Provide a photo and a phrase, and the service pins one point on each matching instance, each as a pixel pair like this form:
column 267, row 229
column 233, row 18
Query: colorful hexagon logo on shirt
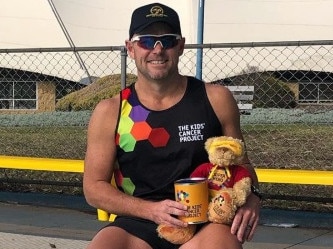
column 141, row 130
column 133, row 125
column 124, row 182
column 138, row 113
column 159, row 137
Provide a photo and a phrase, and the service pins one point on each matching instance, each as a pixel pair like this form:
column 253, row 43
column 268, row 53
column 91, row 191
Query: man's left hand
column 246, row 219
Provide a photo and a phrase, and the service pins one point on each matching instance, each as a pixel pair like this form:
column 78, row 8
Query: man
column 138, row 136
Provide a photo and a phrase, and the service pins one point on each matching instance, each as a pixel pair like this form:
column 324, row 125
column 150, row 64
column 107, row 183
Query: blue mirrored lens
column 149, row 42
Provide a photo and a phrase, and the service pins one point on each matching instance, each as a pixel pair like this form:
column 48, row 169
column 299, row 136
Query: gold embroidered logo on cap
column 156, row 11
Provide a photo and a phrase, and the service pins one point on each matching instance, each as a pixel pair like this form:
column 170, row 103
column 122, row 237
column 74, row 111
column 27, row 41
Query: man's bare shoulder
column 223, row 104
column 109, row 103
column 108, row 107
column 218, row 92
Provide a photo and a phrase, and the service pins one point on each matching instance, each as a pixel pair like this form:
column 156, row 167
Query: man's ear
column 130, row 49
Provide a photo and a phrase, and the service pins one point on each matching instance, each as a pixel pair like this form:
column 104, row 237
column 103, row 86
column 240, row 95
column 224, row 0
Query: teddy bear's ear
column 208, row 143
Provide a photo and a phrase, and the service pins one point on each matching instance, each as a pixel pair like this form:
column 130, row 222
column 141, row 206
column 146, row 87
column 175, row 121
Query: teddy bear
column 229, row 184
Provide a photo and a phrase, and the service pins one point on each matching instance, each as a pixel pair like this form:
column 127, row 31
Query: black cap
column 143, row 16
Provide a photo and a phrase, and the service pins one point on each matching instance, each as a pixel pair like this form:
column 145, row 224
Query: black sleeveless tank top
column 156, row 148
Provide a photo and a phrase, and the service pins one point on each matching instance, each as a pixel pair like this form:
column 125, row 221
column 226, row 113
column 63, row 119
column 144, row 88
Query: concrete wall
column 46, row 96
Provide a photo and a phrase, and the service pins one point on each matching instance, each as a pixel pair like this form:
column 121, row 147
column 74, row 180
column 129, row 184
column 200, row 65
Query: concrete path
column 42, row 227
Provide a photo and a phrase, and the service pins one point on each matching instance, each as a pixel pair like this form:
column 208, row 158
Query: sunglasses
column 149, row 42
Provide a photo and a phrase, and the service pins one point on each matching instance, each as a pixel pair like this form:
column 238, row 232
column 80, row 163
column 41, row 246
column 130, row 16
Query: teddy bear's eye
column 221, row 149
column 220, row 200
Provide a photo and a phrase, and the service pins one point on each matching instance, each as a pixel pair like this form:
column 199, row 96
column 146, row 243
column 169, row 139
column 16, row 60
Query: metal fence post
column 123, row 67
column 201, row 11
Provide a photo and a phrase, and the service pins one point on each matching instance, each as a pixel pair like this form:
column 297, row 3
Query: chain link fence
column 289, row 125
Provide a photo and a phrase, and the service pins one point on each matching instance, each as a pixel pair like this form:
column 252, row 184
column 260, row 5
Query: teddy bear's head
column 224, row 151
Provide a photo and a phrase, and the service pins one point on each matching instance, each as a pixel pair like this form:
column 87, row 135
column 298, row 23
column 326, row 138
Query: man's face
column 153, row 60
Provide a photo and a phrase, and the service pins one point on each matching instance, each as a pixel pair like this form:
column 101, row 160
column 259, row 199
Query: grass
column 295, row 146
column 52, row 142
column 279, row 146
column 49, row 142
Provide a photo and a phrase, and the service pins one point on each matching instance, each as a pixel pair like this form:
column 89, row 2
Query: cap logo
column 156, row 11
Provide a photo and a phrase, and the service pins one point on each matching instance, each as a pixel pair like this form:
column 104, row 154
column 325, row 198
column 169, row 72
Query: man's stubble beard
column 156, row 75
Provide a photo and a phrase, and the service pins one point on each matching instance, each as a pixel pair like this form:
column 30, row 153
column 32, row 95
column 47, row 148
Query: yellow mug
column 193, row 192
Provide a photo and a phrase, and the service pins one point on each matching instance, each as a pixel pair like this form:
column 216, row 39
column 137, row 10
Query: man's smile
column 157, row 61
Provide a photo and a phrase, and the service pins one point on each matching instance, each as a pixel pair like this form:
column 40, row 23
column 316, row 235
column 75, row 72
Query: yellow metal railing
column 288, row 176
column 47, row 164
column 295, row 176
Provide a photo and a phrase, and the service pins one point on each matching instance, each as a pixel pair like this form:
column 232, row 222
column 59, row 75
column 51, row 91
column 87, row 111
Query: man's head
column 146, row 15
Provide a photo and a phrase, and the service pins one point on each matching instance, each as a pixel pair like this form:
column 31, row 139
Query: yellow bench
column 295, row 176
column 50, row 164
column 47, row 164
column 312, row 177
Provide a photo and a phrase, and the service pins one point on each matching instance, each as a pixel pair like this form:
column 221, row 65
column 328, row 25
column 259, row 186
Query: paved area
column 21, row 241
column 273, row 238
column 45, row 227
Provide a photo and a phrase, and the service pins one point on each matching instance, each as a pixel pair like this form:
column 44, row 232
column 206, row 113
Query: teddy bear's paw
column 221, row 209
column 242, row 189
column 217, row 215
column 176, row 235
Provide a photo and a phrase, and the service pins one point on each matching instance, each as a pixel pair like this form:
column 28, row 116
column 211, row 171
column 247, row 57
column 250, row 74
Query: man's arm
column 99, row 168
column 226, row 109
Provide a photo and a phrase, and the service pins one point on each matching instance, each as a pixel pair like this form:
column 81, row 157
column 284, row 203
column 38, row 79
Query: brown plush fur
column 176, row 235
column 222, row 155
column 222, row 208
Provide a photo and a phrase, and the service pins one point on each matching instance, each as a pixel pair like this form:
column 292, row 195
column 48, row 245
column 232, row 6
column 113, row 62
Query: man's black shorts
column 143, row 229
